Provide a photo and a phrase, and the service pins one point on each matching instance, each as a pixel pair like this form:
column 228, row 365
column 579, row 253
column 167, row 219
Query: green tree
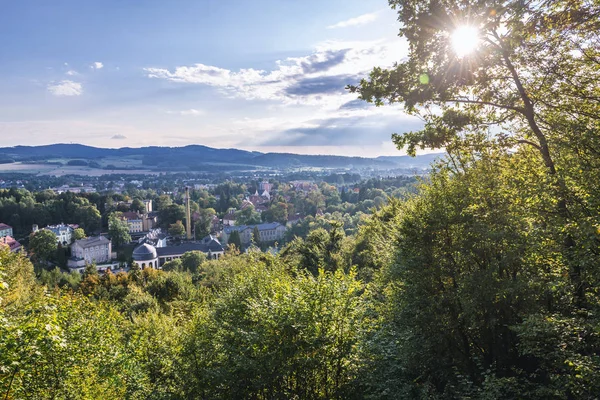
column 273, row 334
column 171, row 214
column 78, row 234
column 204, row 219
column 42, row 245
column 89, row 218
column 177, row 229
column 234, row 239
column 256, row 236
column 163, row 202
column 523, row 77
column 138, row 206
column 192, row 260
column 118, row 229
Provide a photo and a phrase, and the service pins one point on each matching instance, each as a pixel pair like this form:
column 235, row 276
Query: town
column 129, row 226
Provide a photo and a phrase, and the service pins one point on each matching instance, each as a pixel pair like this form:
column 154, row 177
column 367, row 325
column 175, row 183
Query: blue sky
column 264, row 75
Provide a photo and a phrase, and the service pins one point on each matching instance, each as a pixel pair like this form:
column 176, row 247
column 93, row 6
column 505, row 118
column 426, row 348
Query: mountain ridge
column 196, row 154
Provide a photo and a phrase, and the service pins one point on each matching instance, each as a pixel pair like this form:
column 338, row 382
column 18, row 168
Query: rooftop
column 261, row 227
column 93, row 241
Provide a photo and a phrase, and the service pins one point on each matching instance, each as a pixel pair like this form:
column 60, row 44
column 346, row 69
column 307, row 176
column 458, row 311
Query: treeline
column 21, row 209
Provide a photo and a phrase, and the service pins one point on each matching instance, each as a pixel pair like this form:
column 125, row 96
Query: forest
column 483, row 284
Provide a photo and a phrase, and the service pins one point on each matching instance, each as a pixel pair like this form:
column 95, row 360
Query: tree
column 118, row 229
column 256, row 236
column 204, row 218
column 138, row 206
column 163, row 202
column 89, row 218
column 177, row 229
column 525, row 78
column 171, row 214
column 192, row 260
column 234, row 239
column 78, row 234
column 42, row 245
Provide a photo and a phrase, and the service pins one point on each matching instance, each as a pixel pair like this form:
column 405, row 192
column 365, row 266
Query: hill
column 195, row 156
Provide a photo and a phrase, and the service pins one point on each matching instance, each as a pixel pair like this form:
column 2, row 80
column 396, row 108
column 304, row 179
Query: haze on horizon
column 267, row 75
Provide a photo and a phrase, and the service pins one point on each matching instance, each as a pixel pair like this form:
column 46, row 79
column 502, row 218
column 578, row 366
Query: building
column 5, row 230
column 265, row 186
column 63, row 232
column 91, row 250
column 134, row 221
column 270, row 232
column 149, row 221
column 148, row 205
column 147, row 255
column 229, row 218
column 11, row 242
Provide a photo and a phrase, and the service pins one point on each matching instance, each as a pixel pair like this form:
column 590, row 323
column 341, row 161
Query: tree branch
column 489, row 103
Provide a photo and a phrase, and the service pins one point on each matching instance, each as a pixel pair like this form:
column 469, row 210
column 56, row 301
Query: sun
column 465, row 40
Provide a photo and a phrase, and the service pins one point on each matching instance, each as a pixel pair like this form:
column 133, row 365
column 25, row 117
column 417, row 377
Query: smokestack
column 188, row 219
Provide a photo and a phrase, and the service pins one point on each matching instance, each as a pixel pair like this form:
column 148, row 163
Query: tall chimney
column 188, row 219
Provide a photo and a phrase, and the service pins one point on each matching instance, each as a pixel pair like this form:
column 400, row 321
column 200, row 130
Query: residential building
column 5, row 230
column 91, row 250
column 134, row 221
column 149, row 221
column 63, row 232
column 11, row 242
column 265, row 186
column 270, row 232
column 229, row 218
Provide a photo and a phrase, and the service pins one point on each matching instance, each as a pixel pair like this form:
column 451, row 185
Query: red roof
column 4, row 226
column 10, row 242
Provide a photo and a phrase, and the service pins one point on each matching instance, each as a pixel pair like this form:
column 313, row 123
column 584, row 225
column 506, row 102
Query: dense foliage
column 482, row 285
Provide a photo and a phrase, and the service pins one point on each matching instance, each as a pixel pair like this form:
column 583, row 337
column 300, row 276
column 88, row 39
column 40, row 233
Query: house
column 5, row 230
column 215, row 224
column 146, row 255
column 11, row 242
column 149, row 221
column 134, row 221
column 91, row 250
column 269, row 232
column 63, row 232
column 229, row 218
column 265, row 186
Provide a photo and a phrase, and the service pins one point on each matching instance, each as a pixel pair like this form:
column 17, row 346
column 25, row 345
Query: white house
column 5, row 230
column 91, row 250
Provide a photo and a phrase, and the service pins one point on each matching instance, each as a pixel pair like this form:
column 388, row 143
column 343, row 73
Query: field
column 55, row 170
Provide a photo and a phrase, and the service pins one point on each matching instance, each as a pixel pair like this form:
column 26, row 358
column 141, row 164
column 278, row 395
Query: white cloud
column 315, row 79
column 361, row 20
column 97, row 65
column 65, row 88
column 190, row 112
column 72, row 72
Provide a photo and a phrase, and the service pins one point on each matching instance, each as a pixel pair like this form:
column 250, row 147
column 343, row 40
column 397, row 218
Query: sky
column 263, row 75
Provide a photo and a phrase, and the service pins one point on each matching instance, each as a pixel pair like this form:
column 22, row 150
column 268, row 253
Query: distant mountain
column 194, row 156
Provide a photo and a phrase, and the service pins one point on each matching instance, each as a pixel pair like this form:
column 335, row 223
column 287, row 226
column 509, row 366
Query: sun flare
column 465, row 40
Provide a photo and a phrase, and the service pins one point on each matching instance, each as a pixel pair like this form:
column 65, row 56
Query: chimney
column 188, row 219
